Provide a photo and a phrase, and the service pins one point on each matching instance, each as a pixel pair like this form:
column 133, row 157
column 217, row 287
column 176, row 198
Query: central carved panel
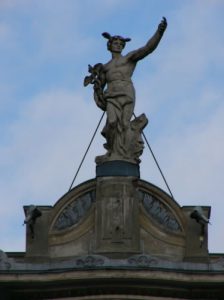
column 115, row 216
column 117, row 226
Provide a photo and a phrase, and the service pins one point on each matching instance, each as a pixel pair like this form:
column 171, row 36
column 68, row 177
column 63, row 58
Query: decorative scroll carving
column 75, row 211
column 142, row 261
column 160, row 212
column 90, row 261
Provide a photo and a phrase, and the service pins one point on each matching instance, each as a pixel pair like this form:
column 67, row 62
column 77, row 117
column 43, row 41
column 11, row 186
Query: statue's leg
column 126, row 118
column 111, row 126
column 111, row 115
column 127, row 114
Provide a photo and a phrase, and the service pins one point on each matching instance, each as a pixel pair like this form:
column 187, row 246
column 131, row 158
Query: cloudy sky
column 47, row 117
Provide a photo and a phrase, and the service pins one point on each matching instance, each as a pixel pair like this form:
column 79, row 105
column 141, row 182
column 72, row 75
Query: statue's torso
column 117, row 73
column 119, row 69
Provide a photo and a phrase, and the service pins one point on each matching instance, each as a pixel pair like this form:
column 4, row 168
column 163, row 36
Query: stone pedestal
column 117, row 207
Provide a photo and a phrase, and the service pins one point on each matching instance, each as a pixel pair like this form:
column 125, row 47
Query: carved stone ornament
column 159, row 212
column 142, row 261
column 75, row 211
column 90, row 261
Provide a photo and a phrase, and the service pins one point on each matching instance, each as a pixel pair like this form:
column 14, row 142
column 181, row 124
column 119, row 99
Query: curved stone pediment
column 137, row 217
column 72, row 222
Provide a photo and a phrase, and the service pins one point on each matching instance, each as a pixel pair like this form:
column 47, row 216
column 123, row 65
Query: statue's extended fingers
column 164, row 21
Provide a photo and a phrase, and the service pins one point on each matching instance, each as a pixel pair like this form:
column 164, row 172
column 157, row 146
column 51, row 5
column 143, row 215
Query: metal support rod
column 150, row 149
column 157, row 164
column 86, row 151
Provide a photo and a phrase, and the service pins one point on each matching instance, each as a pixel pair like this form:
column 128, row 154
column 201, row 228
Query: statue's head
column 116, row 43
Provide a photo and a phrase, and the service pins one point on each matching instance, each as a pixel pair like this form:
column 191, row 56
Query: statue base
column 117, row 168
column 123, row 143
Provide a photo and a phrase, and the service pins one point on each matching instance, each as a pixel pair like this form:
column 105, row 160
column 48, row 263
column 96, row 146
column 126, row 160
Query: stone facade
column 114, row 216
column 114, row 237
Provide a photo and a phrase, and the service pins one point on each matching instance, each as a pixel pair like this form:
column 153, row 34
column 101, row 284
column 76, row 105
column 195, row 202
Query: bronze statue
column 114, row 93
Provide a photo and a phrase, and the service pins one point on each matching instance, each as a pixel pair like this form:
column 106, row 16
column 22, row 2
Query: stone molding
column 99, row 262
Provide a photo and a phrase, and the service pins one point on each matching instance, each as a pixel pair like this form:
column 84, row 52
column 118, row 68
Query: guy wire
column 157, row 164
column 86, row 151
column 150, row 149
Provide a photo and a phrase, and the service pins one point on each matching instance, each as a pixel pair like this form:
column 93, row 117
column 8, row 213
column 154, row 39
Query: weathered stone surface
column 5, row 263
column 117, row 216
column 94, row 261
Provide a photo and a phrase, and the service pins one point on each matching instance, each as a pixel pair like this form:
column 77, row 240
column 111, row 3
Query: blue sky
column 47, row 117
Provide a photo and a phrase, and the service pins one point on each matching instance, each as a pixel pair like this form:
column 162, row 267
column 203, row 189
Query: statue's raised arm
column 151, row 45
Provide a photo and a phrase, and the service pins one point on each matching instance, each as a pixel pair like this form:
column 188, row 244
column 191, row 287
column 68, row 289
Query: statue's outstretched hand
column 162, row 26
